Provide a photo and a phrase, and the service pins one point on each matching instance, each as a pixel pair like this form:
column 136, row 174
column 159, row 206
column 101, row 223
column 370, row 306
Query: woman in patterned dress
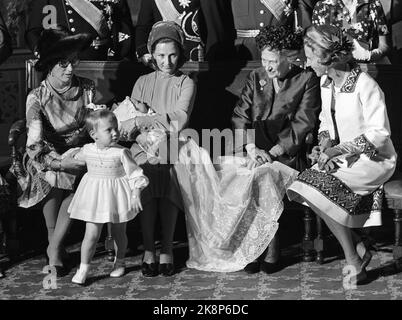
column 55, row 114
column 355, row 155
column 364, row 22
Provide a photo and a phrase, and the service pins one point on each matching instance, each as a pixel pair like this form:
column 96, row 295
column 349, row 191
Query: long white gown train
column 231, row 212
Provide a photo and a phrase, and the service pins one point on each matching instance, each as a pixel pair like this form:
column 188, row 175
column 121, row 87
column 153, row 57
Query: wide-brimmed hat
column 165, row 29
column 58, row 44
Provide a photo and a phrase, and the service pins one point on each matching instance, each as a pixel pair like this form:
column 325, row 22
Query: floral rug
column 295, row 281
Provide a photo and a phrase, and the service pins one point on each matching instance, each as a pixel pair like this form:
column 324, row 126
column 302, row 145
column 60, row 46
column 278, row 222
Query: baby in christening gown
column 108, row 193
column 150, row 140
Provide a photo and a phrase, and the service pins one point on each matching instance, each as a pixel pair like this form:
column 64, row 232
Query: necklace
column 99, row 156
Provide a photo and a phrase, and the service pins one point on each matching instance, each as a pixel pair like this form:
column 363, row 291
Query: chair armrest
column 17, row 128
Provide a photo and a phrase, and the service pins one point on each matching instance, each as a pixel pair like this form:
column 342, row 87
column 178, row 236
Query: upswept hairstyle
column 93, row 117
column 329, row 43
column 279, row 38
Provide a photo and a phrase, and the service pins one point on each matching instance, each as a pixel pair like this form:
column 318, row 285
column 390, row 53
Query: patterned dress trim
column 365, row 146
column 350, row 83
column 340, row 194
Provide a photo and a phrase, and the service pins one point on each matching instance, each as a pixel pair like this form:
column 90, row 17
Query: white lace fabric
column 231, row 211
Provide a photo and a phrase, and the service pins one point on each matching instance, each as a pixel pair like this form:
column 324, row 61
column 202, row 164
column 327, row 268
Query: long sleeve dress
column 105, row 191
column 365, row 24
column 55, row 123
column 171, row 97
column 355, row 118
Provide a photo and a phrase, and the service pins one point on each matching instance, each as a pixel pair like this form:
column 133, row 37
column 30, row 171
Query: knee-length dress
column 355, row 118
column 105, row 191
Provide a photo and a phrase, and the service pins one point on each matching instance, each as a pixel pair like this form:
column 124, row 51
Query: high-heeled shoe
column 166, row 269
column 354, row 279
column 149, row 269
column 367, row 256
column 252, row 267
column 61, row 271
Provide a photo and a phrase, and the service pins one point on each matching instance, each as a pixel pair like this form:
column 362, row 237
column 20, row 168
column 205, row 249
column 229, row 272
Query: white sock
column 84, row 267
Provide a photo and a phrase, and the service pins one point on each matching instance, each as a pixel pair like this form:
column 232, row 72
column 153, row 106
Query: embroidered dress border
column 340, row 194
column 365, row 146
column 350, row 83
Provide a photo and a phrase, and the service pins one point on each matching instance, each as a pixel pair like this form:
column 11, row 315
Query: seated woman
column 233, row 205
column 355, row 155
column 55, row 113
column 365, row 25
column 280, row 102
column 170, row 94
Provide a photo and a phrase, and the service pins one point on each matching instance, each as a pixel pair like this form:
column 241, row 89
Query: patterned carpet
column 296, row 281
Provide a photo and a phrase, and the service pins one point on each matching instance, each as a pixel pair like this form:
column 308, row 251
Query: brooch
column 262, row 83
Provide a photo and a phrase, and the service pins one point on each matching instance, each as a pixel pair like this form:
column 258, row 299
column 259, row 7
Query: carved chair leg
column 397, row 250
column 319, row 241
column 308, row 243
column 109, row 243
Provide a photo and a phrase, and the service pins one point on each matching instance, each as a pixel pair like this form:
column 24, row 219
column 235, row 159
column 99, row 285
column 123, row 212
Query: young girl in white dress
column 109, row 192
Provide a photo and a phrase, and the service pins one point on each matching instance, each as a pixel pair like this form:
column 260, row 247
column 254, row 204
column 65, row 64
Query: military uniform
column 207, row 25
column 113, row 43
column 252, row 15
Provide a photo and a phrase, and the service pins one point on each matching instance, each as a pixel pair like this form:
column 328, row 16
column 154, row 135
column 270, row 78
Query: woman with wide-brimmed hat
column 55, row 122
column 170, row 94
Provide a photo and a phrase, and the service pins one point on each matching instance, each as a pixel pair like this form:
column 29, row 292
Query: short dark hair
column 279, row 38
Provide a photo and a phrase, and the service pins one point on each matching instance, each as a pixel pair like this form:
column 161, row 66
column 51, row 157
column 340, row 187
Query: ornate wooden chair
column 393, row 201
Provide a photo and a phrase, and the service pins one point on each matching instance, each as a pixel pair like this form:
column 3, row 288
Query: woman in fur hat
column 55, row 123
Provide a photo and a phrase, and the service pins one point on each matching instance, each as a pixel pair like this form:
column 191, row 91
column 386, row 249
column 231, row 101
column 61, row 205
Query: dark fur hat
column 58, row 44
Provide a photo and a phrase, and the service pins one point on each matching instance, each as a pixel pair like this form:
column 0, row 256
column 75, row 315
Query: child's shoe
column 119, row 268
column 81, row 275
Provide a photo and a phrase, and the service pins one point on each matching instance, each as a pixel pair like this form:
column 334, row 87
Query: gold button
column 72, row 29
column 70, row 11
column 262, row 12
column 261, row 24
column 71, row 20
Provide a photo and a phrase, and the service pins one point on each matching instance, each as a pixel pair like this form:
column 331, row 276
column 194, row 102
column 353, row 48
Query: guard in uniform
column 109, row 21
column 207, row 25
column 252, row 15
